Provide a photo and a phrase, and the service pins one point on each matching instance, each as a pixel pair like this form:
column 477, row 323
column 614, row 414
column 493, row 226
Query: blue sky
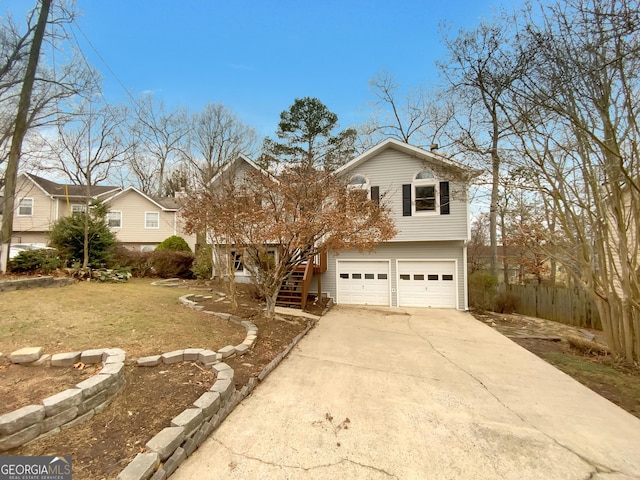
column 256, row 57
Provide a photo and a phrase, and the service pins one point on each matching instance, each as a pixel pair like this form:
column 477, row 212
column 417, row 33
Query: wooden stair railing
column 295, row 288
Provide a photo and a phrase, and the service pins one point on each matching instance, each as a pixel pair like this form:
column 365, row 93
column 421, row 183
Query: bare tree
column 34, row 91
column 578, row 130
column 218, row 137
column 87, row 148
column 20, row 129
column 419, row 118
column 480, row 69
column 158, row 135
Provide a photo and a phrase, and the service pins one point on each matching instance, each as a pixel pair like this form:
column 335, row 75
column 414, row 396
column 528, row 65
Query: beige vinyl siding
column 401, row 251
column 390, row 170
column 133, row 232
column 44, row 209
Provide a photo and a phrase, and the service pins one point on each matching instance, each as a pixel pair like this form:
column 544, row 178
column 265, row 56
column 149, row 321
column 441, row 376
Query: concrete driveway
column 428, row 394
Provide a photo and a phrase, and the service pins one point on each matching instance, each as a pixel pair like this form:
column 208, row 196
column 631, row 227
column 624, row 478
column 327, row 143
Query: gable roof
column 168, row 204
column 229, row 165
column 54, row 189
column 465, row 171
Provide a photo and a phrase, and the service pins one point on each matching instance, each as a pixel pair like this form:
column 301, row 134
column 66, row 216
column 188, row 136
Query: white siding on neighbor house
column 401, row 251
column 390, row 170
column 133, row 232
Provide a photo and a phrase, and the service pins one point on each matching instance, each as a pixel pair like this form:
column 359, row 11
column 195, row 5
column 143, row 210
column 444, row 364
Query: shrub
column 112, row 275
column 137, row 262
column 169, row 264
column 44, row 260
column 203, row 264
column 505, row 302
column 482, row 290
column 67, row 235
column 174, row 243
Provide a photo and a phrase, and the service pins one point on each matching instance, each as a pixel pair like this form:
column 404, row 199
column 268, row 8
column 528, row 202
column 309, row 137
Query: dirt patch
column 21, row 386
column 616, row 381
column 105, row 444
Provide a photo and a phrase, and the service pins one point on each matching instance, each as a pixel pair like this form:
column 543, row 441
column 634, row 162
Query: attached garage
column 363, row 282
column 427, row 283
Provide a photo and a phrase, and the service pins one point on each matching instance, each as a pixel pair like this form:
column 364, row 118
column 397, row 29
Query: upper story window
column 425, row 196
column 78, row 208
column 425, row 192
column 114, row 219
column 358, row 181
column 25, row 207
column 151, row 219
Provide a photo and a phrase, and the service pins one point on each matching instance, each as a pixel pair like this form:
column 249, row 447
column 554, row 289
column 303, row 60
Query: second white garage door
column 363, row 283
column 426, row 284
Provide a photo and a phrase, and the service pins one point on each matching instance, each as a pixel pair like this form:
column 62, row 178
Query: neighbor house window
column 77, row 208
column 114, row 219
column 425, row 192
column 25, row 207
column 152, row 220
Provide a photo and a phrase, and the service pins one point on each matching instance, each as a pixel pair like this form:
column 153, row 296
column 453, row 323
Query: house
column 139, row 221
column 142, row 221
column 425, row 264
column 40, row 202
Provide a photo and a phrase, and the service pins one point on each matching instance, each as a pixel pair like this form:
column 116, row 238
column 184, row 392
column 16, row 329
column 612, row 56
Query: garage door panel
column 363, row 283
column 424, row 283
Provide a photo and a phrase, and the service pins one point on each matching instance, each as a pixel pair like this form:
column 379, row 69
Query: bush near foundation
column 170, row 264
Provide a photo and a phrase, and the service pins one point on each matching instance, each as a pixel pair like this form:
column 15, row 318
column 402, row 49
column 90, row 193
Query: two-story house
column 139, row 221
column 425, row 264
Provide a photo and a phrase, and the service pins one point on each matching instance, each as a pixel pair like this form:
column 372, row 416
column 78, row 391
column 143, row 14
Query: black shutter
column 406, row 200
column 444, row 198
column 375, row 194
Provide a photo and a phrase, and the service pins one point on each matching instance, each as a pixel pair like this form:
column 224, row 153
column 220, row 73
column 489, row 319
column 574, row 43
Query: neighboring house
column 142, row 221
column 139, row 221
column 425, row 265
column 40, row 202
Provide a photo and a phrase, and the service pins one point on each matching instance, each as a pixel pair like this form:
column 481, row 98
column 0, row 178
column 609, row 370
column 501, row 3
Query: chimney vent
column 434, row 147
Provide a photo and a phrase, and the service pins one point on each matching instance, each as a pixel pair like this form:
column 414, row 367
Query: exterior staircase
column 295, row 288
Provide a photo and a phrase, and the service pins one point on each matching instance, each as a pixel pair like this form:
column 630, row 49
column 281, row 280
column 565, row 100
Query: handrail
column 306, row 282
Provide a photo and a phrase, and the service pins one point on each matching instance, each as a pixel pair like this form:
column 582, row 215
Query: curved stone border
column 188, row 430
column 69, row 407
column 37, row 282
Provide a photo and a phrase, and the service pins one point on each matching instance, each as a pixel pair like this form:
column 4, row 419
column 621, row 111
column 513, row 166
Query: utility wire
column 75, row 24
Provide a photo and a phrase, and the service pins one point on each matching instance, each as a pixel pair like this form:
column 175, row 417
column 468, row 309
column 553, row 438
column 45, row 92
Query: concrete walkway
column 418, row 394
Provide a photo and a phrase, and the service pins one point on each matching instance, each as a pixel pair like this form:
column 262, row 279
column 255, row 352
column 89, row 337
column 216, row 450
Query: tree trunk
column 231, row 278
column 11, row 172
column 271, row 304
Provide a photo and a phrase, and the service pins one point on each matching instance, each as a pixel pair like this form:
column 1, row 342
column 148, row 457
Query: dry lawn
column 140, row 318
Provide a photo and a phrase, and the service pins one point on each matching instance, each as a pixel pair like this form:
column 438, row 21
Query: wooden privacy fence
column 570, row 306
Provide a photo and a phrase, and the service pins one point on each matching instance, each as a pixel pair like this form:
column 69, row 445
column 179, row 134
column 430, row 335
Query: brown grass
column 140, row 318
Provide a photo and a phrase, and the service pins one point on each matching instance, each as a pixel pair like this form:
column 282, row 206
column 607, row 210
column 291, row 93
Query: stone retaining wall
column 69, row 407
column 36, row 282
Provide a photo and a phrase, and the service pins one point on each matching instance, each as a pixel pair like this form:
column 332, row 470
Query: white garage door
column 363, row 283
column 426, row 284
